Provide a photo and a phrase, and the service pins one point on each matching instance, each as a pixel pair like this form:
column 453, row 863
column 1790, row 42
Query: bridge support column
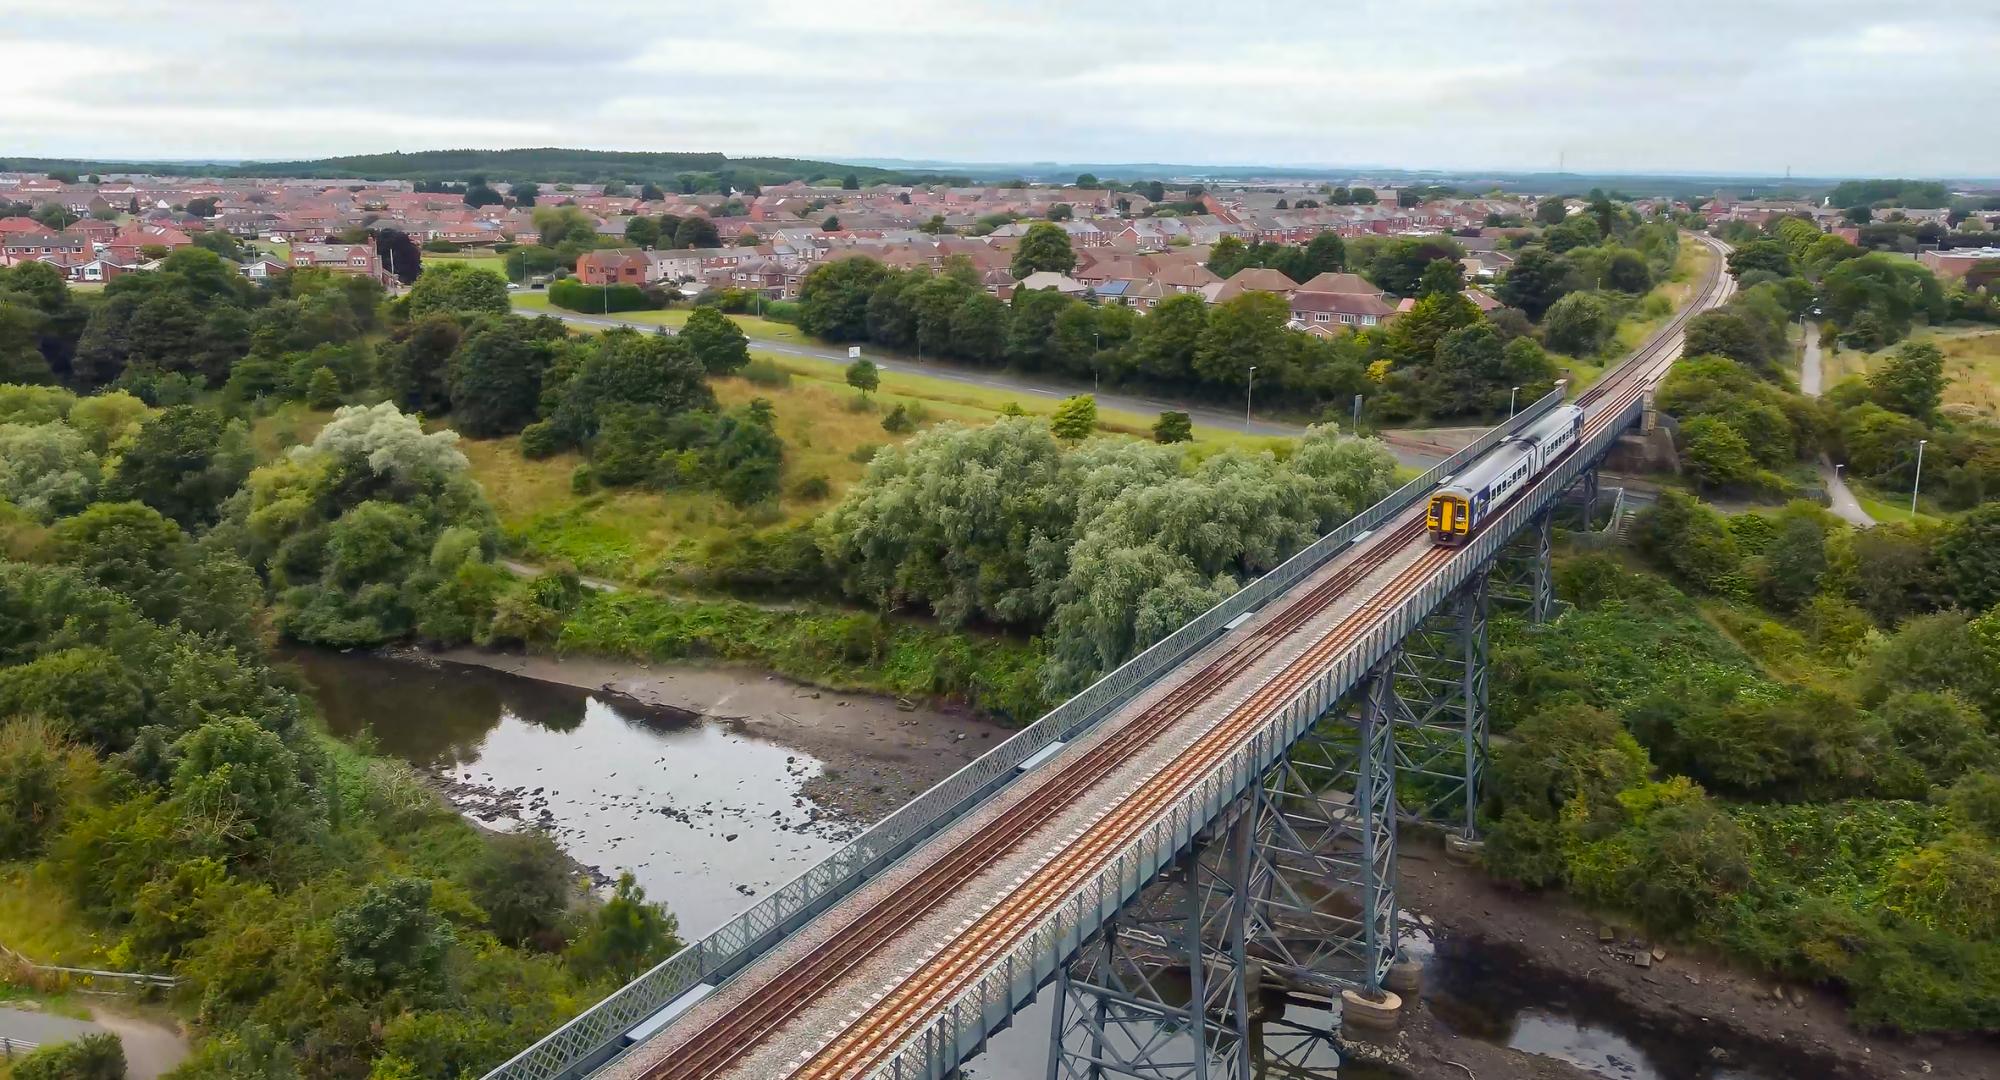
column 1587, row 487
column 1322, row 887
column 1162, row 993
column 1441, row 679
column 1521, row 576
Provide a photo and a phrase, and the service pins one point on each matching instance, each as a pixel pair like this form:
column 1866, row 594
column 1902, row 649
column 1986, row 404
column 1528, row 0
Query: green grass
column 1890, row 511
column 1971, row 366
column 754, row 327
column 1665, row 299
column 485, row 260
column 38, row 921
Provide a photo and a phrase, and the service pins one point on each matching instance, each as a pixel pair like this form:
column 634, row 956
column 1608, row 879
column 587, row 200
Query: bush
column 899, row 422
column 540, row 440
column 600, row 299
column 766, row 373
column 812, row 488
column 93, row 1057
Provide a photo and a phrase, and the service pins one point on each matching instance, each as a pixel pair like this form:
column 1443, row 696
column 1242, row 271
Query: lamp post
column 1918, row 480
column 1249, row 388
column 1510, row 401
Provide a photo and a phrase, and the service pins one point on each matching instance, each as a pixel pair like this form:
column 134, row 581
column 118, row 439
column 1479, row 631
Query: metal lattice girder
column 1322, row 889
column 1161, row 993
column 1521, row 576
column 1441, row 679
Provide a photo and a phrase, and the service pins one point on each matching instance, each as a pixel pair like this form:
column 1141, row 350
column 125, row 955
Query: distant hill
column 543, row 164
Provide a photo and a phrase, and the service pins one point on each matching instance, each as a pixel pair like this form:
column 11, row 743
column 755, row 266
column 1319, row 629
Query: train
column 1467, row 499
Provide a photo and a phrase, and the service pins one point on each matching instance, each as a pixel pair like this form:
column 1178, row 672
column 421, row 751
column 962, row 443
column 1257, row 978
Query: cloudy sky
column 1824, row 87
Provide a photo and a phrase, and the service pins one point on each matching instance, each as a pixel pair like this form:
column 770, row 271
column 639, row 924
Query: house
column 100, row 269
column 615, row 266
column 21, row 226
column 1339, row 308
column 673, row 266
column 263, row 268
column 340, row 258
column 1255, row 279
column 1049, row 279
column 69, row 248
column 1956, row 263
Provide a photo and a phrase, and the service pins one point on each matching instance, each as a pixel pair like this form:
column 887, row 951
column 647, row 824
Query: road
column 1842, row 501
column 151, row 1049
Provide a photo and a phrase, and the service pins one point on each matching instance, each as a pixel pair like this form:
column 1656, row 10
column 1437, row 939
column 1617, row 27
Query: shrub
column 597, row 299
column 93, row 1057
column 540, row 440
column 766, row 373
column 812, row 488
column 899, row 421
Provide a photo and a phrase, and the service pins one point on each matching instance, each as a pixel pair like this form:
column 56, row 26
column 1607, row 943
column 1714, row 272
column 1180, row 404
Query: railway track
column 712, row 1051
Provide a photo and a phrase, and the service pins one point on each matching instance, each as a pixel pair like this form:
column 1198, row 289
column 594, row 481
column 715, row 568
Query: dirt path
column 1698, row 997
column 1843, row 503
column 152, row 1048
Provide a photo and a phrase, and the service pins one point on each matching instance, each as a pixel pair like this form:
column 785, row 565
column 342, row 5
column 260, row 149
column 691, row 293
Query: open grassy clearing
column 38, row 921
column 484, row 260
column 1971, row 365
column 755, row 328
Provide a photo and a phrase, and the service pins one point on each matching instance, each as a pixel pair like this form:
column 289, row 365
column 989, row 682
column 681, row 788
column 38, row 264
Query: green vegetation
column 690, row 172
column 1767, row 775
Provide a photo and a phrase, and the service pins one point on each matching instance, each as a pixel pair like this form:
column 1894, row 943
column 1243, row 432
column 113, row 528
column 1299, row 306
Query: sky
column 1825, row 88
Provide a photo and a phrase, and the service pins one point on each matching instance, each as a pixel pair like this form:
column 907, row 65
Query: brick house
column 619, row 266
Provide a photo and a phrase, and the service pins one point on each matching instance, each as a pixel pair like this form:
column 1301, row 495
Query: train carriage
column 1466, row 500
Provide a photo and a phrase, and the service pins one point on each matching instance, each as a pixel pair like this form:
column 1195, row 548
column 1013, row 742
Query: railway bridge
column 1214, row 821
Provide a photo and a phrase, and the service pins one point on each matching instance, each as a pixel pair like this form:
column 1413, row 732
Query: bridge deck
column 781, row 1051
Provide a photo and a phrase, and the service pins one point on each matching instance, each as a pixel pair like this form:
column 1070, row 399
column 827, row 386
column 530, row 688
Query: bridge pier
column 1521, row 573
column 1441, row 677
column 1295, row 894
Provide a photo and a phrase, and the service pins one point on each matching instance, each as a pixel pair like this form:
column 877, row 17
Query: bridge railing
column 584, row 1041
column 937, row 1047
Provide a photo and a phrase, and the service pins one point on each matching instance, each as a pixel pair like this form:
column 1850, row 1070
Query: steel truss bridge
column 1216, row 817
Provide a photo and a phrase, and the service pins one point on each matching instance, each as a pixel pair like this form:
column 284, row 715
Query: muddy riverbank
column 1698, row 1015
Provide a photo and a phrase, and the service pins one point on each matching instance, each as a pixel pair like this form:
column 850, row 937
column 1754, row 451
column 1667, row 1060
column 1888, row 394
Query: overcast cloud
column 1825, row 87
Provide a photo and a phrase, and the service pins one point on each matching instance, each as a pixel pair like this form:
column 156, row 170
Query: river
column 709, row 813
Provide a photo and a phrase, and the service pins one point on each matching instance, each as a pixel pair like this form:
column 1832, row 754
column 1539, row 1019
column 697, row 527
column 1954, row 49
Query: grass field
column 485, row 260
column 754, row 328
column 38, row 921
column 1971, row 365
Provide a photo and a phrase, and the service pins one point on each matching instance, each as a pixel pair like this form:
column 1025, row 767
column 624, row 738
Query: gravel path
column 1842, row 501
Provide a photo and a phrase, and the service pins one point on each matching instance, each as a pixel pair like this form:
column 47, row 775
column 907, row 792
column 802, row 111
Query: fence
column 88, row 978
column 591, row 1037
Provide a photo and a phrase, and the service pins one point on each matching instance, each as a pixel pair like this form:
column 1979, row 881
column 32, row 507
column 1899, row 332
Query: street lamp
column 1249, row 388
column 1510, row 401
column 1918, row 480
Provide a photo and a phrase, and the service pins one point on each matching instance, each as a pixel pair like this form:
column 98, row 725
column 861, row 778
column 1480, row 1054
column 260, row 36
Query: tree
column 1911, row 382
column 556, row 226
column 523, row 881
column 46, row 469
column 831, row 224
column 1228, row 256
column 1726, row 333
column 1244, row 331
column 1579, row 324
column 863, row 375
column 1794, row 563
column 1441, row 276
column 1170, row 336
column 1075, row 418
column 1551, row 211
column 625, row 367
column 1045, row 246
column 1173, row 427
column 495, row 378
column 524, row 194
column 416, row 361
column 1774, row 256
column 1087, row 181
column 1968, row 556
column 184, row 462
column 1325, row 253
column 979, row 328
column 1716, row 453
column 244, row 776
column 1857, row 215
column 834, row 298
column 626, row 935
column 1061, row 212
column 717, row 341
column 694, row 231
column 642, row 231
column 850, row 182
column 478, row 194
column 458, row 288
column 41, row 772
column 389, row 940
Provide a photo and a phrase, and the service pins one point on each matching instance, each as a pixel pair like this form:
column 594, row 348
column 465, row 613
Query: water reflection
column 708, row 818
column 1486, row 992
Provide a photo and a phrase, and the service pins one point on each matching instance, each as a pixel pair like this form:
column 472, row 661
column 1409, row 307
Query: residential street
column 1842, row 501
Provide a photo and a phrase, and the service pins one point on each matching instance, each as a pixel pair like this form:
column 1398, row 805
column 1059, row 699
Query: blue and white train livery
column 1466, row 500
